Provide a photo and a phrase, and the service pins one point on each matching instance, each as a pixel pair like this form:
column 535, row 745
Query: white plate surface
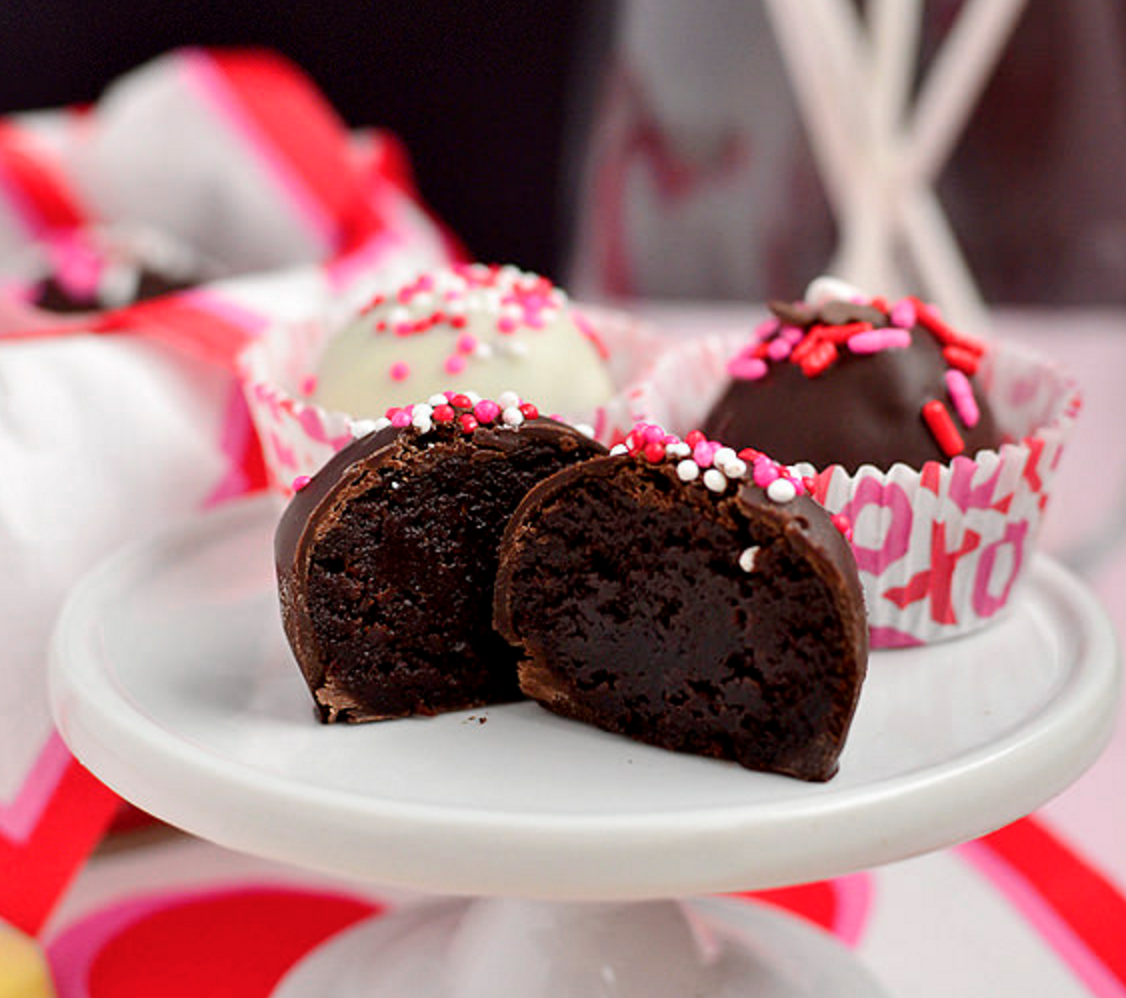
column 171, row 680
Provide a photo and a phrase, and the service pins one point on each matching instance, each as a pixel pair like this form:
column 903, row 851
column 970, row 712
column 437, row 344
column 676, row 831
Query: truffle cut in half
column 386, row 559
column 662, row 594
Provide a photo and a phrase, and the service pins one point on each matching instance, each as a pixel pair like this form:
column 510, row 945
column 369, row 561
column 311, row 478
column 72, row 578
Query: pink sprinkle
column 962, row 395
column 486, row 411
column 765, row 329
column 506, row 324
column 403, row 328
column 779, row 349
column 401, row 418
column 399, row 371
column 455, row 363
column 654, row 434
column 747, row 368
column 300, row 482
column 704, row 452
column 308, row 384
column 466, row 343
column 765, row 472
column 903, row 313
column 875, row 340
column 792, row 334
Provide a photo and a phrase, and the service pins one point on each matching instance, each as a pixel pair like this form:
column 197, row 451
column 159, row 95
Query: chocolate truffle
column 387, row 557
column 661, row 593
column 854, row 384
column 487, row 329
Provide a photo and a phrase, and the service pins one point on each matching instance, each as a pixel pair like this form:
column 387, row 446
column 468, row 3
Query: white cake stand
column 171, row 680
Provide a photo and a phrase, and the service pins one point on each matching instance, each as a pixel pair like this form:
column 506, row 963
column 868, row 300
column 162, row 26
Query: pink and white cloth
column 114, row 423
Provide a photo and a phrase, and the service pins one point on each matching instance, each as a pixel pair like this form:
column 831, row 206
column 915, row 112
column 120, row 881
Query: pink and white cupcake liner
column 941, row 549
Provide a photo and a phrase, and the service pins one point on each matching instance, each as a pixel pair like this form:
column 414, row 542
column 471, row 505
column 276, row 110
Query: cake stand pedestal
column 171, row 680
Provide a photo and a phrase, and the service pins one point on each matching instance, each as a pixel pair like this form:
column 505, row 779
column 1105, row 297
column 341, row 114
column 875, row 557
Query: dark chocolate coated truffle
column 386, row 562
column 698, row 615
column 807, row 391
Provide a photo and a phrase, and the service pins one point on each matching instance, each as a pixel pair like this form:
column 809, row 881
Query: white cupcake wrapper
column 942, row 549
column 298, row 436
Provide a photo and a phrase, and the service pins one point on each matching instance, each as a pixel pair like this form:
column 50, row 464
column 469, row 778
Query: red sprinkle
column 529, row 411
column 819, row 359
column 443, row 413
column 946, row 435
column 654, row 452
column 843, row 524
column 300, row 482
column 461, row 401
column 468, row 422
column 695, row 437
column 963, row 359
column 747, row 454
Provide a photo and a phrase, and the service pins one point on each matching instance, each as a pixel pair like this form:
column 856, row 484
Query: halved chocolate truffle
column 386, row 559
column 856, row 383
column 661, row 594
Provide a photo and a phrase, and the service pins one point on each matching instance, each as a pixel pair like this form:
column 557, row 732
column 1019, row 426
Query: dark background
column 479, row 91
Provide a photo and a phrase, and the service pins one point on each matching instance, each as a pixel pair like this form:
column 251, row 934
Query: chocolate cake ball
column 386, row 559
column 690, row 597
column 856, row 383
column 478, row 327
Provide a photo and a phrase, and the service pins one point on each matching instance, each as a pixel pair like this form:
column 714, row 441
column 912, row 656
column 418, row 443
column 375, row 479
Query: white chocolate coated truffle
column 470, row 327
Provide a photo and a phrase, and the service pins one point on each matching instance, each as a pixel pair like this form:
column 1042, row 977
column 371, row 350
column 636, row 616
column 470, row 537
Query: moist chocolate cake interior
column 653, row 622
column 400, row 586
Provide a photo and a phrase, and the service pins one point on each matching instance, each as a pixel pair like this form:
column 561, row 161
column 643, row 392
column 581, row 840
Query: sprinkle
column 945, row 433
column 779, row 349
column 694, row 437
column 678, row 449
column 715, row 480
column 300, row 482
column 903, row 313
column 511, row 416
column 529, row 410
column 443, row 413
column 466, row 343
column 722, row 457
column 765, row 471
column 508, row 399
column 843, row 524
column 735, row 469
column 439, row 399
column 486, row 411
column 654, row 451
column 618, row 450
column 362, row 427
column 964, row 359
column 747, row 558
column 585, row 429
column 704, row 453
column 399, row 371
column 962, row 395
column 875, row 340
column 746, row 368
column 461, row 401
column 308, row 384
column 468, row 423
column 781, row 490
column 687, row 471
column 401, row 418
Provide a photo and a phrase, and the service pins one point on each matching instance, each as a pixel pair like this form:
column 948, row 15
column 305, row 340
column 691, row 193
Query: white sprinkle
column 686, row 471
column 483, row 351
column 678, row 450
column 422, row 425
column 362, row 427
column 715, row 480
column 724, row 456
column 398, row 314
column 747, row 559
column 585, row 429
column 508, row 399
column 781, row 490
column 736, row 468
column 381, row 424
column 823, row 289
column 473, row 397
column 437, row 400
column 512, row 416
column 394, row 485
column 422, row 409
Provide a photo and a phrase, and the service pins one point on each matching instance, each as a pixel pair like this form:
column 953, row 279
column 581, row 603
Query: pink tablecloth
column 1038, row 908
